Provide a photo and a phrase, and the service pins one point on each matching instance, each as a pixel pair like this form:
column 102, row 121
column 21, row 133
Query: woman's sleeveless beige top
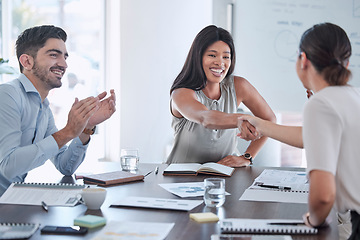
column 195, row 144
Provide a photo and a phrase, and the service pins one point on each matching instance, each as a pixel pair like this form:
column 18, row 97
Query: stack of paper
column 204, row 217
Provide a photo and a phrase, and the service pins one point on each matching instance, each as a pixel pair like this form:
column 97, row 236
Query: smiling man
column 28, row 135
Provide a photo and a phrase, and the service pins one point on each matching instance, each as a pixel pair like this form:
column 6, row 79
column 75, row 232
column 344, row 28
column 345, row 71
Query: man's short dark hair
column 32, row 39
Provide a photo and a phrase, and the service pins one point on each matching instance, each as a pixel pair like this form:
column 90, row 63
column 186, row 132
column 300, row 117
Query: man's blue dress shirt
column 26, row 141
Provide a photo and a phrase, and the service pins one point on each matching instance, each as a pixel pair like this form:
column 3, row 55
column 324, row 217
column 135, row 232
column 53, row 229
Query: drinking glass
column 129, row 159
column 214, row 192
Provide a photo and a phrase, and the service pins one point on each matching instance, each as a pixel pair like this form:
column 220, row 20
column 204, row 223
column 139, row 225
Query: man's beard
column 42, row 74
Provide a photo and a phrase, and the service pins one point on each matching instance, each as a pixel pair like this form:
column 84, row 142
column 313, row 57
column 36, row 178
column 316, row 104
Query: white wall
column 156, row 36
column 267, row 35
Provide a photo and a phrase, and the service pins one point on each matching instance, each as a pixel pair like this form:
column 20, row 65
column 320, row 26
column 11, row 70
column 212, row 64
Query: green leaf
column 7, row 69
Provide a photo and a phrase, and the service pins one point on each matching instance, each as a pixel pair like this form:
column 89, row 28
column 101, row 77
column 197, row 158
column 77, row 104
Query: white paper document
column 187, row 189
column 35, row 193
column 297, row 180
column 278, row 186
column 122, row 230
column 162, row 203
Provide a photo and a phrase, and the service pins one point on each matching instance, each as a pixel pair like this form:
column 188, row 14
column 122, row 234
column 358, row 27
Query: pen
column 274, row 186
column 148, row 173
column 156, row 170
column 287, row 223
column 44, row 206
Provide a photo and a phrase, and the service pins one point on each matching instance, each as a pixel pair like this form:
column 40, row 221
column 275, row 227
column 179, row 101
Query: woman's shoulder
column 241, row 84
column 336, row 91
column 181, row 92
column 240, row 80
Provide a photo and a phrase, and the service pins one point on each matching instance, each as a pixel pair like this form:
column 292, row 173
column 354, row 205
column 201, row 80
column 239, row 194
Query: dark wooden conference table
column 184, row 227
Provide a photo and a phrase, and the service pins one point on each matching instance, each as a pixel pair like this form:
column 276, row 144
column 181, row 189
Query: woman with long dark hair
column 205, row 97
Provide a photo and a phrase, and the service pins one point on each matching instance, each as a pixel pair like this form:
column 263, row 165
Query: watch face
column 247, row 155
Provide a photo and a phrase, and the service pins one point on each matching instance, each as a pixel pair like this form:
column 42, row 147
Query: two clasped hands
column 253, row 128
column 249, row 131
column 248, row 127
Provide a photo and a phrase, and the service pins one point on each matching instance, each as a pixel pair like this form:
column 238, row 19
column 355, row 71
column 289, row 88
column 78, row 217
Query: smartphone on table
column 68, row 230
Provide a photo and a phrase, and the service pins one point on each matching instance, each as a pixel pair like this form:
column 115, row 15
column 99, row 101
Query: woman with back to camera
column 331, row 129
column 205, row 97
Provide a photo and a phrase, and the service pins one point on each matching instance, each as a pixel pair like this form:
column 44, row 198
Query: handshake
column 250, row 127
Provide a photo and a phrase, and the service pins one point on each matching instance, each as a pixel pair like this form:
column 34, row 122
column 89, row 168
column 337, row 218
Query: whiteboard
column 267, row 35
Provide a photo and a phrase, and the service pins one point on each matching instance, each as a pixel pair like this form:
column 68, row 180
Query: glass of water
column 129, row 159
column 214, row 192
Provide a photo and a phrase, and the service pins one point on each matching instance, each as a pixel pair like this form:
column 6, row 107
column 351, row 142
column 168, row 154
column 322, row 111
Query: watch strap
column 90, row 131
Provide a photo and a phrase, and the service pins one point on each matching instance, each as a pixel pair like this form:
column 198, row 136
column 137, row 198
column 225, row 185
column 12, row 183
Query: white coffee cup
column 93, row 197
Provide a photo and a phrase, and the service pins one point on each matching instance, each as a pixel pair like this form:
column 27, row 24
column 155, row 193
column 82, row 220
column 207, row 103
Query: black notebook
column 17, row 230
column 268, row 226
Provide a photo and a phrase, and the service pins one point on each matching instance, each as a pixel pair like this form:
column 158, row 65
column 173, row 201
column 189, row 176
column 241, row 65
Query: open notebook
column 210, row 168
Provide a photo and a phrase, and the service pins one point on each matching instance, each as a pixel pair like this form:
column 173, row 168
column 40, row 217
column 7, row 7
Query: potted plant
column 4, row 68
